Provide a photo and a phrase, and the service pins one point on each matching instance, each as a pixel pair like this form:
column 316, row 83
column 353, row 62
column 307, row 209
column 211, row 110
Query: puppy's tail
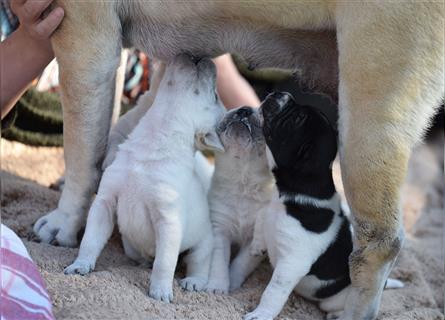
column 204, row 170
column 393, row 284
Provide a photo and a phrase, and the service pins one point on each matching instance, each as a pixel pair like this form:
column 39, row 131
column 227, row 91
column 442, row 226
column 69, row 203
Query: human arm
column 25, row 54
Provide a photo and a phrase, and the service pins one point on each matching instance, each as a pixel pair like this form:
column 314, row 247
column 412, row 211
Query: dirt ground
column 118, row 287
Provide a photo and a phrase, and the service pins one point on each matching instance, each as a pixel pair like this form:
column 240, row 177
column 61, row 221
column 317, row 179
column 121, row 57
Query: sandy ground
column 117, row 289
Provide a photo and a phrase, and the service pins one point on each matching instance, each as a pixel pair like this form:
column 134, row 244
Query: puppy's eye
column 216, row 97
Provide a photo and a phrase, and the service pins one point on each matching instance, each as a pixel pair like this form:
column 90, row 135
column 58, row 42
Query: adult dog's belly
column 280, row 36
column 293, row 35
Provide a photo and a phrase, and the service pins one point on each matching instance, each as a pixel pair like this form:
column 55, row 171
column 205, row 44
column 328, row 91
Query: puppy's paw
column 81, row 267
column 258, row 253
column 161, row 293
column 257, row 249
column 218, row 287
column 193, row 283
column 57, row 227
column 236, row 280
column 258, row 314
column 235, row 285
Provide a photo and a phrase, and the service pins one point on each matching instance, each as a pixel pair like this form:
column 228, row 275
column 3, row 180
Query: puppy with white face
column 307, row 236
column 242, row 184
column 156, row 186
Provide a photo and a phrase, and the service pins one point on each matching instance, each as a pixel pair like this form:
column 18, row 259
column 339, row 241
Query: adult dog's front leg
column 88, row 60
column 389, row 85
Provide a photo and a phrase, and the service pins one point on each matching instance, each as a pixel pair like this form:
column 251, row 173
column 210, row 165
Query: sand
column 117, row 289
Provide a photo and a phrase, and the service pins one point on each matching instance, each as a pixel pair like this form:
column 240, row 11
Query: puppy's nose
column 281, row 98
column 244, row 112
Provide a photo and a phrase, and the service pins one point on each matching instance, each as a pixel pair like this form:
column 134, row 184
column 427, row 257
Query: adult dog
column 382, row 61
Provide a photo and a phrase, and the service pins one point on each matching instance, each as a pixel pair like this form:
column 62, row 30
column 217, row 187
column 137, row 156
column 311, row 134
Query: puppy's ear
column 209, row 141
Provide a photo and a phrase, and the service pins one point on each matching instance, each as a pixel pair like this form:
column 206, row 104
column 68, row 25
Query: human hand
column 33, row 22
column 28, row 50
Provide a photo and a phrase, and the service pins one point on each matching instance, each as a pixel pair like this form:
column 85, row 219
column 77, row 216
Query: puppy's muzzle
column 242, row 118
column 243, row 115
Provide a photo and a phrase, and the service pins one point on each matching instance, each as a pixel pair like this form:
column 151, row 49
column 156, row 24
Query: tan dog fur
column 389, row 77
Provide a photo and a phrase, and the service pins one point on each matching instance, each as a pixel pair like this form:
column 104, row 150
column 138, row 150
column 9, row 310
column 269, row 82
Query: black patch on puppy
column 333, row 264
column 311, row 218
column 196, row 91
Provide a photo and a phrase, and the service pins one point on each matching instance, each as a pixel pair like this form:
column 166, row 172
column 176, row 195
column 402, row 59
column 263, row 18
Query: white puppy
column 155, row 185
column 242, row 184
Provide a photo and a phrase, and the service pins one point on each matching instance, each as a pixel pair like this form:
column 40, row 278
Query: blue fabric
column 8, row 21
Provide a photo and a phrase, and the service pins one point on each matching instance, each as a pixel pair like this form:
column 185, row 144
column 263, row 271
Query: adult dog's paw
column 161, row 293
column 193, row 283
column 57, row 227
column 258, row 314
column 218, row 286
column 81, row 267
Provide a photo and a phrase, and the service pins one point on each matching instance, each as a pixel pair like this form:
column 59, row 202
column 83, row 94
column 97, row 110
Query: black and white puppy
column 306, row 234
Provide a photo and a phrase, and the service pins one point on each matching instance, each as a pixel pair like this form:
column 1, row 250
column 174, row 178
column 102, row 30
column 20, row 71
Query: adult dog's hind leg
column 88, row 60
column 391, row 77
